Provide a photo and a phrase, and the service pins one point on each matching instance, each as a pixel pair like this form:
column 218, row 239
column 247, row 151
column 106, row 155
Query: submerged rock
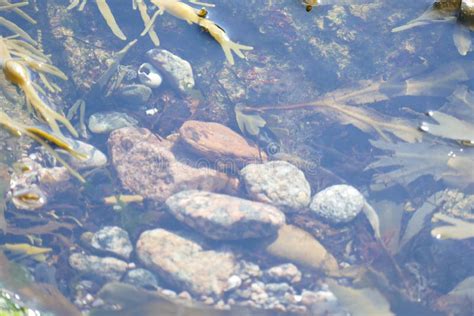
column 184, row 263
column 108, row 268
column 300, row 247
column 284, row 272
column 106, row 122
column 218, row 143
column 95, row 158
column 113, row 239
column 133, row 95
column 225, row 217
column 141, row 278
column 278, row 183
column 178, row 71
column 338, row 204
column 146, row 165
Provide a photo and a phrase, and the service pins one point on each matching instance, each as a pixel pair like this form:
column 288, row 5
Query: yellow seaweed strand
column 109, row 18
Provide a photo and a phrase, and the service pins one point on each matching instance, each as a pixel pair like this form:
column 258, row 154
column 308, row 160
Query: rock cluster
column 170, row 172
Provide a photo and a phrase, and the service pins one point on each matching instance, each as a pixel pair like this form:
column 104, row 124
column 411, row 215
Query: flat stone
column 184, row 263
column 133, row 95
column 177, row 70
column 146, row 165
column 108, row 268
column 279, row 183
column 225, row 217
column 105, row 122
column 338, row 204
column 219, row 144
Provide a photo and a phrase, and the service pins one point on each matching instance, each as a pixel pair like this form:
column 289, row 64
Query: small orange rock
column 218, row 143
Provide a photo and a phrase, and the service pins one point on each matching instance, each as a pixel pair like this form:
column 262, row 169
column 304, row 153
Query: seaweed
column 457, row 228
column 461, row 103
column 446, row 11
column 106, row 13
column 42, row 137
column 442, row 161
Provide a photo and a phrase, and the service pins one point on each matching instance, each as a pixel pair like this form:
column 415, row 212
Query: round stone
column 338, row 204
column 279, row 183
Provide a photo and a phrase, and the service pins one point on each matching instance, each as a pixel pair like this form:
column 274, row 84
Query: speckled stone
column 113, row 239
column 278, row 183
column 108, row 268
column 105, row 122
column 184, row 263
column 141, row 278
column 177, row 70
column 338, row 204
column 211, row 140
column 225, row 217
column 146, row 165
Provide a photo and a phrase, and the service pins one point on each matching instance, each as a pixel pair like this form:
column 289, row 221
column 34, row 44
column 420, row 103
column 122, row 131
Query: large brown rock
column 147, row 166
column 219, row 144
column 184, row 263
column 220, row 216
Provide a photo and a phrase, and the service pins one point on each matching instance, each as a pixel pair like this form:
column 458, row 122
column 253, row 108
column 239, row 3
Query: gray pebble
column 133, row 95
column 106, row 122
column 278, row 183
column 177, row 70
column 338, row 204
column 113, row 239
column 141, row 278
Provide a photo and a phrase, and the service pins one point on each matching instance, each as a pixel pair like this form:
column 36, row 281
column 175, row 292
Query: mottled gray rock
column 141, row 278
column 108, row 268
column 225, row 217
column 278, row 183
column 284, row 272
column 113, row 239
column 177, row 70
column 94, row 157
column 338, row 203
column 133, row 95
column 184, row 263
column 146, row 165
column 105, row 122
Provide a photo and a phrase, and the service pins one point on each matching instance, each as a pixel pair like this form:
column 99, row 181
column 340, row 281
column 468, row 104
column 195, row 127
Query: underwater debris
column 442, row 161
column 460, row 12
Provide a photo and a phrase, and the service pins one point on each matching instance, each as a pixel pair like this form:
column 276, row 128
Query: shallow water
column 342, row 98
